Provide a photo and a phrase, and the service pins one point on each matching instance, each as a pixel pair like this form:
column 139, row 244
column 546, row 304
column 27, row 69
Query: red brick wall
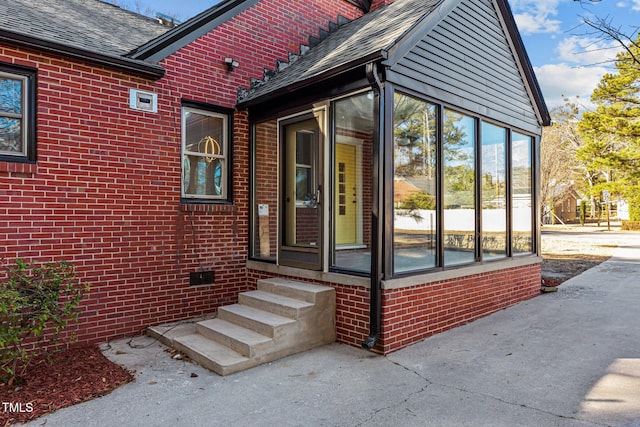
column 379, row 3
column 414, row 313
column 105, row 193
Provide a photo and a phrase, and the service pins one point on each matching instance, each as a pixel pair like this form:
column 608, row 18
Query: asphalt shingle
column 365, row 37
column 90, row 25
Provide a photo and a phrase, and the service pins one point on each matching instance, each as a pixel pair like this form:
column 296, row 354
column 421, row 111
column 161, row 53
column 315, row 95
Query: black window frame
column 29, row 112
column 228, row 176
column 479, row 120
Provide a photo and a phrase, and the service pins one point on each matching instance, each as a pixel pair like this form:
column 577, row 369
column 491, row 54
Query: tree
column 558, row 164
column 604, row 29
column 612, row 132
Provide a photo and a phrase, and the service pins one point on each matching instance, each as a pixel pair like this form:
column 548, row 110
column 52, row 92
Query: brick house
column 178, row 166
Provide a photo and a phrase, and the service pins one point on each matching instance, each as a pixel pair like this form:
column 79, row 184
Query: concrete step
column 212, row 355
column 245, row 341
column 261, row 321
column 292, row 289
column 277, row 304
column 281, row 318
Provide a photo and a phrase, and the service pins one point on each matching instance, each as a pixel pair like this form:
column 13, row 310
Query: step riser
column 249, row 350
column 291, row 289
column 199, row 358
column 271, row 331
column 210, row 364
column 281, row 310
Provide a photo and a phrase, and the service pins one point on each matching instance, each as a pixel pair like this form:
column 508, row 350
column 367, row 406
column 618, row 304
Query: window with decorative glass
column 17, row 114
column 205, row 154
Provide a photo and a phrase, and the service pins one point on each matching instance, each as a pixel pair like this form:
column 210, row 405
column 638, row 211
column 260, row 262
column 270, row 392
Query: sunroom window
column 462, row 188
column 414, row 183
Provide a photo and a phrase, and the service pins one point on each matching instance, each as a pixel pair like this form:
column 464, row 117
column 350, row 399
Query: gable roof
column 384, row 35
column 85, row 29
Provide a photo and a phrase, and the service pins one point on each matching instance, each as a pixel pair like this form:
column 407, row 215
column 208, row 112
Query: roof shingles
column 90, row 25
column 370, row 36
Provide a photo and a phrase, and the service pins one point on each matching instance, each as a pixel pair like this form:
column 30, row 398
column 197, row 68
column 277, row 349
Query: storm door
column 302, row 199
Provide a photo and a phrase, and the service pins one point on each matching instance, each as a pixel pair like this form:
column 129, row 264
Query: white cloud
column 636, row 5
column 560, row 81
column 535, row 17
column 534, row 24
column 584, row 50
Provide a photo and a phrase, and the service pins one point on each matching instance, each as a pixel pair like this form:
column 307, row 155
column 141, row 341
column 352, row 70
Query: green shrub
column 36, row 301
column 631, row 225
column 583, row 211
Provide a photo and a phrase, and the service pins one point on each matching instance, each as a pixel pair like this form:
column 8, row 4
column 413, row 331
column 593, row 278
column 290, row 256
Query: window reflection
column 459, row 142
column 11, row 117
column 494, row 196
column 351, row 182
column 204, row 167
column 522, row 194
column 414, row 184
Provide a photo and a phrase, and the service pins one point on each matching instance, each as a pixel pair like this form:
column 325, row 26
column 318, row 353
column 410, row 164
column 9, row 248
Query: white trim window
column 205, row 154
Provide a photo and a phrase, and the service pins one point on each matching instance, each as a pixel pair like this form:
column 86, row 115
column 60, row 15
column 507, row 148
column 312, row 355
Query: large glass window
column 17, row 114
column 459, row 146
column 351, row 182
column 205, row 154
column 414, row 184
column 521, row 194
column 494, row 191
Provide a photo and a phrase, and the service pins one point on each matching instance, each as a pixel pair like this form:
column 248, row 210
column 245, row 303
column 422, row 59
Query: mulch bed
column 558, row 268
column 63, row 379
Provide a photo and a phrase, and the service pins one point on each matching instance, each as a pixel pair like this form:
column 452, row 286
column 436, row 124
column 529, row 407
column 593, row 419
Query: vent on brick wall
column 281, row 65
column 145, row 101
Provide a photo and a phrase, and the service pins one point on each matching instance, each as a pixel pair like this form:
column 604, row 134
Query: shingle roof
column 90, row 25
column 359, row 41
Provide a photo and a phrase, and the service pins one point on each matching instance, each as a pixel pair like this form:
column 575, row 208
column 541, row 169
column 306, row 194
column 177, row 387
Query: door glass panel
column 302, row 197
column 521, row 194
column 459, row 141
column 494, row 192
column 351, row 182
column 414, row 184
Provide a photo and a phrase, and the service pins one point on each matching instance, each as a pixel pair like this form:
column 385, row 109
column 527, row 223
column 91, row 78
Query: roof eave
column 190, row 30
column 334, row 72
column 525, row 63
column 130, row 66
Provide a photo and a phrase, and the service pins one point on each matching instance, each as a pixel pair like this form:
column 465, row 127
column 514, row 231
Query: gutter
column 137, row 68
column 377, row 223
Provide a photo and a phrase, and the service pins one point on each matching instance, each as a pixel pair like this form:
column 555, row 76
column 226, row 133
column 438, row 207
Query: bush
column 34, row 300
column 631, row 225
column 583, row 211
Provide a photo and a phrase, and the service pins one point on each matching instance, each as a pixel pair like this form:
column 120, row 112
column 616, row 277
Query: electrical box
column 143, row 100
column 201, row 278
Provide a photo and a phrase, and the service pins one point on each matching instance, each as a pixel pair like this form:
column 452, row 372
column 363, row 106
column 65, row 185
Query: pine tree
column 612, row 132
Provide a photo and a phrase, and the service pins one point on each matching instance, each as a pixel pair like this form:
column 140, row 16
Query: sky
column 567, row 57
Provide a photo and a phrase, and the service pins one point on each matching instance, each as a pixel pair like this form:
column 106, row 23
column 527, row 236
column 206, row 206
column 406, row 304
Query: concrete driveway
column 569, row 358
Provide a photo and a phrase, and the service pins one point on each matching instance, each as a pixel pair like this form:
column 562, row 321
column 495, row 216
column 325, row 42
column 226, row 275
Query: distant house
column 178, row 166
column 566, row 206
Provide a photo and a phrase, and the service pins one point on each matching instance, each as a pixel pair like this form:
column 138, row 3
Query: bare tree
column 559, row 168
column 604, row 29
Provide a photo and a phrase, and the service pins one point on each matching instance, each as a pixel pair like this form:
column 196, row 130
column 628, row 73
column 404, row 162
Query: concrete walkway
column 569, row 358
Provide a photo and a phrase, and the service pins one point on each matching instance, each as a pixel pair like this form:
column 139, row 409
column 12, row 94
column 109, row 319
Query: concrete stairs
column 280, row 318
